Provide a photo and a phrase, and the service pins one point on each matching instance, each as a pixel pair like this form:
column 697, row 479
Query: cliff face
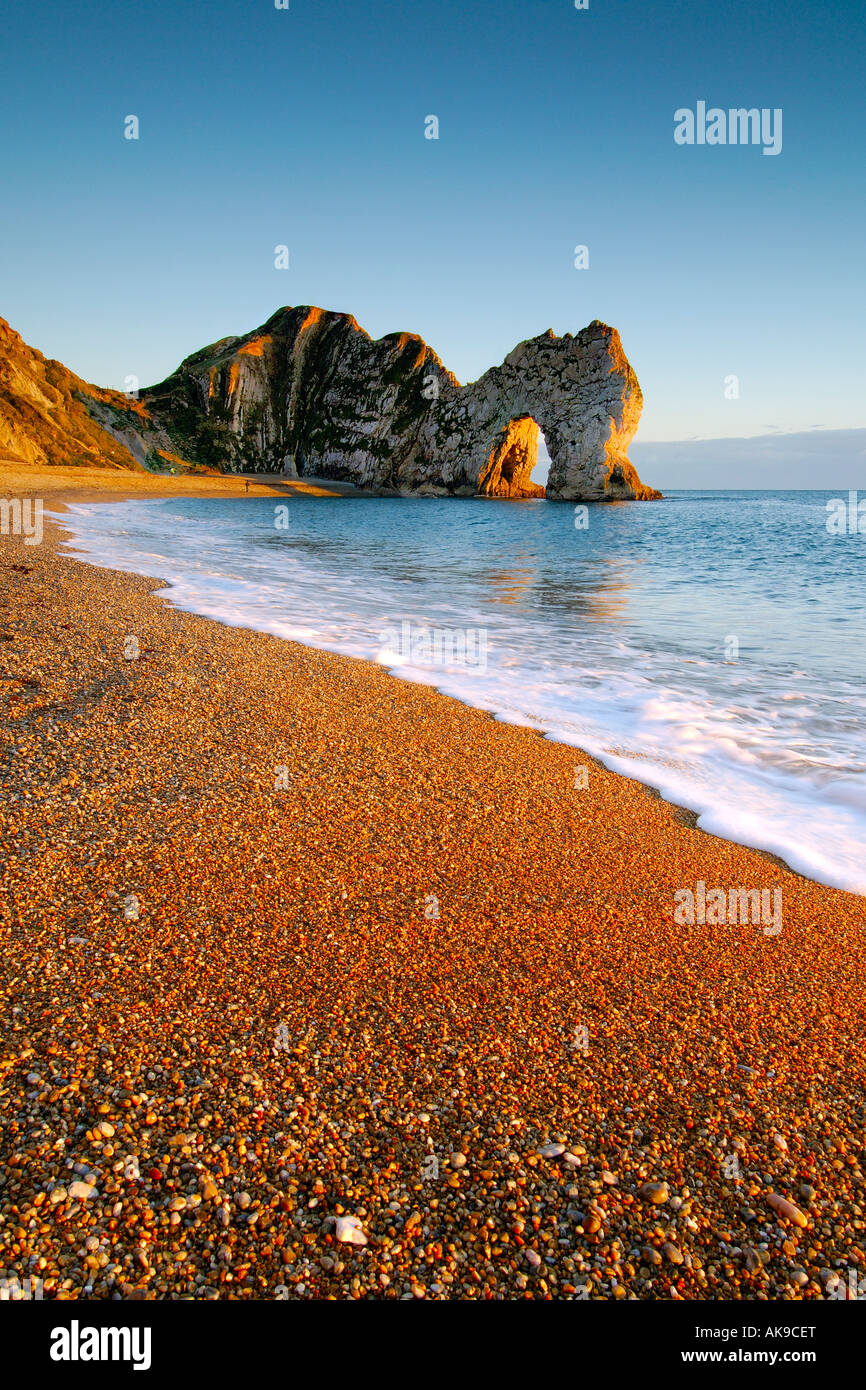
column 311, row 393
column 308, row 392
column 49, row 415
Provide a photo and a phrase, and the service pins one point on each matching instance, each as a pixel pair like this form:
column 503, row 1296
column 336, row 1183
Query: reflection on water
column 510, row 586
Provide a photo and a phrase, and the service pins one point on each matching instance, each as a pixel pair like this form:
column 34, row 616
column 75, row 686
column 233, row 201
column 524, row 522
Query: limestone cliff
column 311, row 393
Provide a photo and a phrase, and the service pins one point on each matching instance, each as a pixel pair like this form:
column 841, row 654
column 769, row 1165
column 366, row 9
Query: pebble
column 787, row 1209
column 349, row 1231
column 656, row 1193
column 81, row 1191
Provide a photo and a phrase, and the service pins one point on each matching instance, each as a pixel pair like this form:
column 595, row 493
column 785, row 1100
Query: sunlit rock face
column 49, row 415
column 311, row 393
column 511, row 461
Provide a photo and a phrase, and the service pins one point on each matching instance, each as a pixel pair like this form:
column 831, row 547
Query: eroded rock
column 311, row 393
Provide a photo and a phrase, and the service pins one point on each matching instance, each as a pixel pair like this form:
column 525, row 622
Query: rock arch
column 580, row 391
column 311, row 388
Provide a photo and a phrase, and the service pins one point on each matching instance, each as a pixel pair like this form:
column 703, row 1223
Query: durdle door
column 312, row 387
column 310, row 393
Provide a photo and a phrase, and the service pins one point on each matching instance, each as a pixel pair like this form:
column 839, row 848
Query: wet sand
column 286, row 940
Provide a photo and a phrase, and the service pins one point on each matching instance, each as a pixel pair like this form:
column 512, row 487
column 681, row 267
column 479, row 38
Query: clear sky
column 305, row 127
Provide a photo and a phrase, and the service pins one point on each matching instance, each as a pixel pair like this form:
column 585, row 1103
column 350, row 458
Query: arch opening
column 541, row 470
column 511, row 461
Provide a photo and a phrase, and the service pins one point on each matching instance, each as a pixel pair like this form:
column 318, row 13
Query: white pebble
column 81, row 1191
column 349, row 1231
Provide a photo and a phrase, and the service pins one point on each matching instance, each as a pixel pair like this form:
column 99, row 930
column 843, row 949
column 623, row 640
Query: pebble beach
column 317, row 984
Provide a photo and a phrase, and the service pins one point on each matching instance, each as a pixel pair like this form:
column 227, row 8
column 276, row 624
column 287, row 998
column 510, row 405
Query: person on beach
column 246, row 484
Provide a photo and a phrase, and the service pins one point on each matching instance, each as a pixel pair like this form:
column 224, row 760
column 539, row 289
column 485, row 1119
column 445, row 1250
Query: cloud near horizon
column 819, row 458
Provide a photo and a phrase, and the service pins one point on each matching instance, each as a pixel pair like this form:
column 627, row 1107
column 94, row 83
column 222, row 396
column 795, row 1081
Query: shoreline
column 434, row 913
column 770, row 846
column 686, row 815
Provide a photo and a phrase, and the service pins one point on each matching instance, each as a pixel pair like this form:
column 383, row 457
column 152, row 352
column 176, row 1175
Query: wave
column 767, row 751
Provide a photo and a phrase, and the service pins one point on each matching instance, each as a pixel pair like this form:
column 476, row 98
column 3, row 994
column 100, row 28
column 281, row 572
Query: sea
column 711, row 645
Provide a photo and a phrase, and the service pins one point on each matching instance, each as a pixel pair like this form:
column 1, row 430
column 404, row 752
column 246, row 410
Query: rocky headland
column 309, row 393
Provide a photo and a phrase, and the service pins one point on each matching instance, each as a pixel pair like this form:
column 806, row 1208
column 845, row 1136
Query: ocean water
column 712, row 645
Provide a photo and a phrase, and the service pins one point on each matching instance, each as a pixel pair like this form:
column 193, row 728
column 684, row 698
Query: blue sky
column 305, row 127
